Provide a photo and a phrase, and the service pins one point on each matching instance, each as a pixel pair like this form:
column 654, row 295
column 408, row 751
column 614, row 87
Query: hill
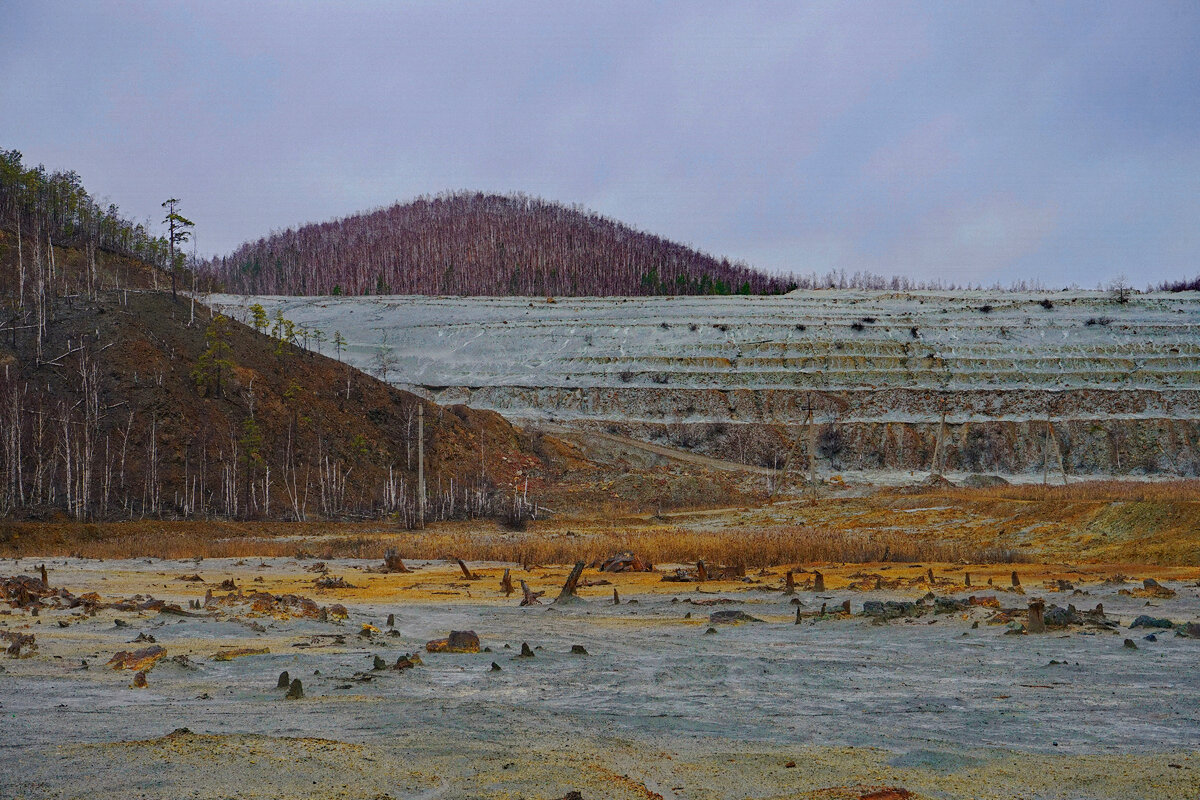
column 477, row 244
column 120, row 403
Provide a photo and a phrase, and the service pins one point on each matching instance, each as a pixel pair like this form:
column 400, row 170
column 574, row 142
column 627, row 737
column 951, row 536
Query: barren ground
column 943, row 705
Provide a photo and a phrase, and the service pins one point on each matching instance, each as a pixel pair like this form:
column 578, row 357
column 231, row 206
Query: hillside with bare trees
column 477, row 244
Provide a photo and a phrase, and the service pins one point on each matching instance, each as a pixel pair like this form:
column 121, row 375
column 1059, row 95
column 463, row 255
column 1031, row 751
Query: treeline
column 1185, row 285
column 479, row 244
column 55, row 207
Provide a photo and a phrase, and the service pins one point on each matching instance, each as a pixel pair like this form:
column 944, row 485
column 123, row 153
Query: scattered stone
column 295, row 691
column 333, row 582
column 138, row 660
column 456, row 642
column 18, row 641
column 1130, row 645
column 378, row 663
column 892, row 609
column 238, row 652
column 407, row 662
column 731, row 617
column 144, row 637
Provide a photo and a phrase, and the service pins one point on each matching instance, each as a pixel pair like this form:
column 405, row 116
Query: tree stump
column 616, row 597
column 284, row 680
column 392, row 562
column 819, row 582
column 466, row 572
column 1036, row 621
column 296, row 690
column 506, row 585
column 967, row 579
column 789, row 583
column 1015, row 580
column 530, row 597
column 701, row 571
column 568, row 589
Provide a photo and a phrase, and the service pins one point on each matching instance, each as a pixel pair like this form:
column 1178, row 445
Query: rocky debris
column 578, row 650
column 333, row 582
column 1129, row 645
column 143, row 637
column 495, row 667
column 680, row 575
column 1147, row 621
column 284, row 681
column 884, row 610
column 194, row 578
column 978, row 481
column 377, row 663
column 337, row 612
column 731, row 617
column 572, row 795
column 26, row 591
column 238, row 652
column 526, row 652
column 139, row 680
column 622, row 562
column 407, row 661
column 456, row 642
column 710, row 631
column 142, row 660
column 1191, row 630
column 1150, row 588
column 932, row 482
column 295, row 691
column 281, row 606
column 17, row 641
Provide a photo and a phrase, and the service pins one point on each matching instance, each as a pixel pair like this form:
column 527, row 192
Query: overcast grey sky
column 971, row 141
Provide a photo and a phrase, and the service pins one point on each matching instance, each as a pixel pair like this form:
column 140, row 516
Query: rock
column 456, row 642
column 1147, row 621
column 378, row 663
column 407, row 662
column 295, row 691
column 578, row 650
column 495, row 667
column 391, row 620
column 891, row 609
column 1130, row 645
column 284, row 680
column 525, row 651
column 239, row 652
column 710, row 631
column 338, row 612
column 1150, row 638
column 978, row 481
column 729, row 617
column 139, row 680
column 138, row 660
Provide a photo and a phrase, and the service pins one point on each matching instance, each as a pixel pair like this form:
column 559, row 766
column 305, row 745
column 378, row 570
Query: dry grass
column 1090, row 491
column 760, row 547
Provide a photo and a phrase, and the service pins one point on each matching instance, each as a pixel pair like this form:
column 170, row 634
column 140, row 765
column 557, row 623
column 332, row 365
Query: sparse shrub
column 1098, row 321
column 801, row 328
column 986, row 308
column 1046, row 303
column 722, row 327
column 857, row 326
column 869, row 320
column 664, row 326
column 625, row 375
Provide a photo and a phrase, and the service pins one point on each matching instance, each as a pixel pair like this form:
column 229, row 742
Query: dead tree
column 506, row 583
column 789, row 583
column 1036, row 621
column 530, row 597
column 818, row 582
column 466, row 572
column 392, row 561
column 568, row 589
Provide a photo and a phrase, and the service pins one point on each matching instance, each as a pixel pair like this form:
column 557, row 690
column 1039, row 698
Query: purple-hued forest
column 480, row 244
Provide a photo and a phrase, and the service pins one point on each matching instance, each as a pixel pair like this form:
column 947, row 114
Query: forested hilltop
column 480, row 244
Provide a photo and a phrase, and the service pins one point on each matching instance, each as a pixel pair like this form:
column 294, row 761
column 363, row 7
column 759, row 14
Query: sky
column 977, row 142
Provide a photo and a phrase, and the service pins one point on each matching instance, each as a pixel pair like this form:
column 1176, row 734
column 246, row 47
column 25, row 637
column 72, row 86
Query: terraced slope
column 990, row 375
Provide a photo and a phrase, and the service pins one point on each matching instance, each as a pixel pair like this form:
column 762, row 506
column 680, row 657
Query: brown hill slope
column 141, row 406
column 476, row 244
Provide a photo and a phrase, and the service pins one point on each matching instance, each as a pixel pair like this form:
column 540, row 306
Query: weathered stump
column 568, row 589
column 506, row 584
column 818, row 582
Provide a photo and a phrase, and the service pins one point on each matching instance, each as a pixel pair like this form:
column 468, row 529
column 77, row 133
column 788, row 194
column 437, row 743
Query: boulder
column 1147, row 621
column 456, row 642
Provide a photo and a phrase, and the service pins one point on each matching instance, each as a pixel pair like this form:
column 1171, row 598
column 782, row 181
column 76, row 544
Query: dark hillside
column 477, row 244
column 138, row 406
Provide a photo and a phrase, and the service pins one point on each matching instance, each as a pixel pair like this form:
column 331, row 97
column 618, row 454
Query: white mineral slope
column 869, row 357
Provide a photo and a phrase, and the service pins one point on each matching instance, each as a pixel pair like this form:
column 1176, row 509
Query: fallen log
column 530, row 597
